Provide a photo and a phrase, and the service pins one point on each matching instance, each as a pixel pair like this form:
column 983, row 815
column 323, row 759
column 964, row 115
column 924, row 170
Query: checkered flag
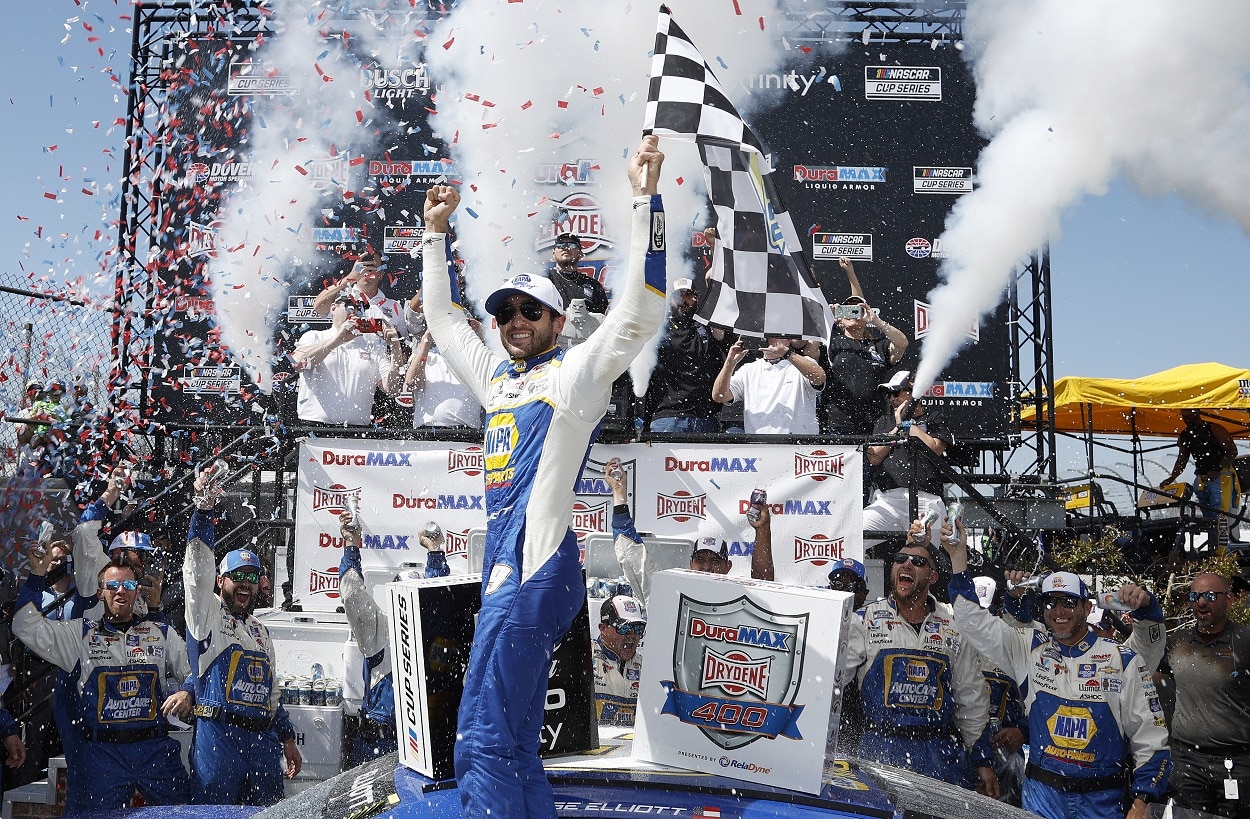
column 762, row 284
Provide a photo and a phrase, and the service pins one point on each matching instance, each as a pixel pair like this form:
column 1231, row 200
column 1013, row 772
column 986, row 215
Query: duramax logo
column 401, row 501
column 331, row 458
column 672, row 464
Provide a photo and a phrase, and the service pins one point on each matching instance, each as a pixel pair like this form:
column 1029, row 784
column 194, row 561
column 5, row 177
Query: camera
column 369, row 325
column 848, row 311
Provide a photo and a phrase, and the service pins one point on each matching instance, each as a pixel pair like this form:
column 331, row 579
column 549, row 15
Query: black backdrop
column 872, row 148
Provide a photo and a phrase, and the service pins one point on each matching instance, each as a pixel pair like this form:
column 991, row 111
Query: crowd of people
column 989, row 668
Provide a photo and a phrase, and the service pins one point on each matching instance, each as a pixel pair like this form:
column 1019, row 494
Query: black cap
column 568, row 237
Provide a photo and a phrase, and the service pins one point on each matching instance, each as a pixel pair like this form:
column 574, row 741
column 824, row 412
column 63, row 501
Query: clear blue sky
column 1140, row 285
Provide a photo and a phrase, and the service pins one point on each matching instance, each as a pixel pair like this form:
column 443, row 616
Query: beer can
column 759, row 497
column 318, row 692
column 305, row 692
column 334, row 693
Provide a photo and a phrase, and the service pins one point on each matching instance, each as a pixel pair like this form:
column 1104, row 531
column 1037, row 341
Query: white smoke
column 524, row 85
column 1072, row 95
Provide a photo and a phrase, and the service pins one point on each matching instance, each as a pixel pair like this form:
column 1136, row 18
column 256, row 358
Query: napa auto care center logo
column 737, row 667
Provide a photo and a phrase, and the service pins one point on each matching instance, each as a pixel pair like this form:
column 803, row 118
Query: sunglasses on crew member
column 569, row 245
column 1209, row 596
column 631, row 628
column 244, row 576
column 530, row 310
column 1056, row 600
column 846, row 583
column 919, row 561
column 114, row 585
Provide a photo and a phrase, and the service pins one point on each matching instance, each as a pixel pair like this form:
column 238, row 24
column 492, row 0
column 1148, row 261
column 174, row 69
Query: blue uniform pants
column 1052, row 803
column 234, row 766
column 505, row 689
column 115, row 770
column 939, row 758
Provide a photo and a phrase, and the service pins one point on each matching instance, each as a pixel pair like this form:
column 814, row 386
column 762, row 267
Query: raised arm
column 89, row 554
column 199, row 568
column 368, row 623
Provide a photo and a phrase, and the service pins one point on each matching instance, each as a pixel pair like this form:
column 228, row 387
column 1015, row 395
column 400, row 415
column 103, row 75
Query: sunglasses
column 1209, row 596
column 626, row 629
column 244, row 576
column 918, row 561
column 844, row 583
column 1061, row 600
column 569, row 245
column 114, row 585
column 530, row 310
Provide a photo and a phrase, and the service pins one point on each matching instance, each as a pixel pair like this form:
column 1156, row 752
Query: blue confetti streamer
column 722, row 63
column 471, row 212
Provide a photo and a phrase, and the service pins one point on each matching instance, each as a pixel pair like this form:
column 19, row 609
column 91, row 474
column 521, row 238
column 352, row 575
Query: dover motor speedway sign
column 686, row 491
column 742, row 678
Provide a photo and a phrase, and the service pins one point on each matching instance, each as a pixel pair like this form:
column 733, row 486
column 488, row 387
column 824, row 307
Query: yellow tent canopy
column 1150, row 406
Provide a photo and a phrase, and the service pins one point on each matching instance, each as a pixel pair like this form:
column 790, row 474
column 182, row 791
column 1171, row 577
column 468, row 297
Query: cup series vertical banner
column 685, row 490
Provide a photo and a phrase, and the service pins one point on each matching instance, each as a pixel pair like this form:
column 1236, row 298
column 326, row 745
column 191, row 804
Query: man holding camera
column 363, row 283
column 339, row 368
column 778, row 390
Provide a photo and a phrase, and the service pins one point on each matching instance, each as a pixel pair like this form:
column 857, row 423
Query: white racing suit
column 924, row 699
column 372, row 633
column 1096, row 726
column 616, row 686
column 121, row 677
column 240, row 722
column 543, row 413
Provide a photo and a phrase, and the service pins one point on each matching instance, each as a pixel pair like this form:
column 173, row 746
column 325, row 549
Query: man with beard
column 240, row 723
column 1209, row 667
column 128, row 670
column 1096, row 728
column 679, row 396
column 544, row 406
column 618, row 667
column 924, row 700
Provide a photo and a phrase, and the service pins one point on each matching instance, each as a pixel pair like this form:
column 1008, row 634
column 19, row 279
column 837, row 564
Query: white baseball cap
column 539, row 288
column 682, row 284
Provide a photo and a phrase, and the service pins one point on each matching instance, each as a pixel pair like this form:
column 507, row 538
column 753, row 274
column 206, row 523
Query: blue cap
column 849, row 564
column 138, row 541
column 238, row 559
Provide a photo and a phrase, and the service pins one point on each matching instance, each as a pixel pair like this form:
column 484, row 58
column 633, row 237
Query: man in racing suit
column 924, row 699
column 543, row 409
column 129, row 672
column 617, row 663
column 1096, row 725
column 240, row 728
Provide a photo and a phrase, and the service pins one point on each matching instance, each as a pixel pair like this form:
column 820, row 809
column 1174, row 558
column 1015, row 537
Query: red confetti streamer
column 299, row 168
column 360, row 116
column 486, row 125
column 49, row 195
column 360, row 160
column 761, row 24
column 526, row 104
column 805, row 49
column 447, row 45
column 562, row 103
column 737, row 8
column 680, row 180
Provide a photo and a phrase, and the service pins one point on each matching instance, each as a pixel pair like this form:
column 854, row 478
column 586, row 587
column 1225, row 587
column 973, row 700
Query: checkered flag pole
column 762, row 284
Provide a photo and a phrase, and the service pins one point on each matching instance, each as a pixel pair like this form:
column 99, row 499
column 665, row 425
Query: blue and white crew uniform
column 543, row 413
column 924, row 699
column 1096, row 725
column 371, row 631
column 123, row 673
column 240, row 724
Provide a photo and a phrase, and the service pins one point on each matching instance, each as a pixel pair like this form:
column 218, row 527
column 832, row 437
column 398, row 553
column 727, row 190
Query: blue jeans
column 684, row 424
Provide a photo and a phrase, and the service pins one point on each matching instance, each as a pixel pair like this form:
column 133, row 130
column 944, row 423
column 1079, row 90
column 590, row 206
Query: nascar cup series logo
column 819, row 465
column 334, row 499
column 681, row 506
column 737, row 668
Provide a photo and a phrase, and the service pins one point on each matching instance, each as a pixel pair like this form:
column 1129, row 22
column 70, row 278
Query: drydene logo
column 469, row 461
column 735, row 671
column 326, row 582
column 817, row 550
column 577, row 213
column 681, row 506
column 456, row 543
column 201, row 238
column 924, row 322
column 819, row 465
column 334, row 498
column 588, row 519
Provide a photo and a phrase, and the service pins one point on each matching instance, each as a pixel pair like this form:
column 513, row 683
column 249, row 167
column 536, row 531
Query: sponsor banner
column 903, row 82
column 577, row 213
column 223, row 379
column 854, row 246
column 686, row 491
column 743, row 678
column 930, row 179
column 299, row 310
column 924, row 322
column 839, row 177
column 401, row 238
column 250, row 77
column 580, row 172
column 396, row 84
